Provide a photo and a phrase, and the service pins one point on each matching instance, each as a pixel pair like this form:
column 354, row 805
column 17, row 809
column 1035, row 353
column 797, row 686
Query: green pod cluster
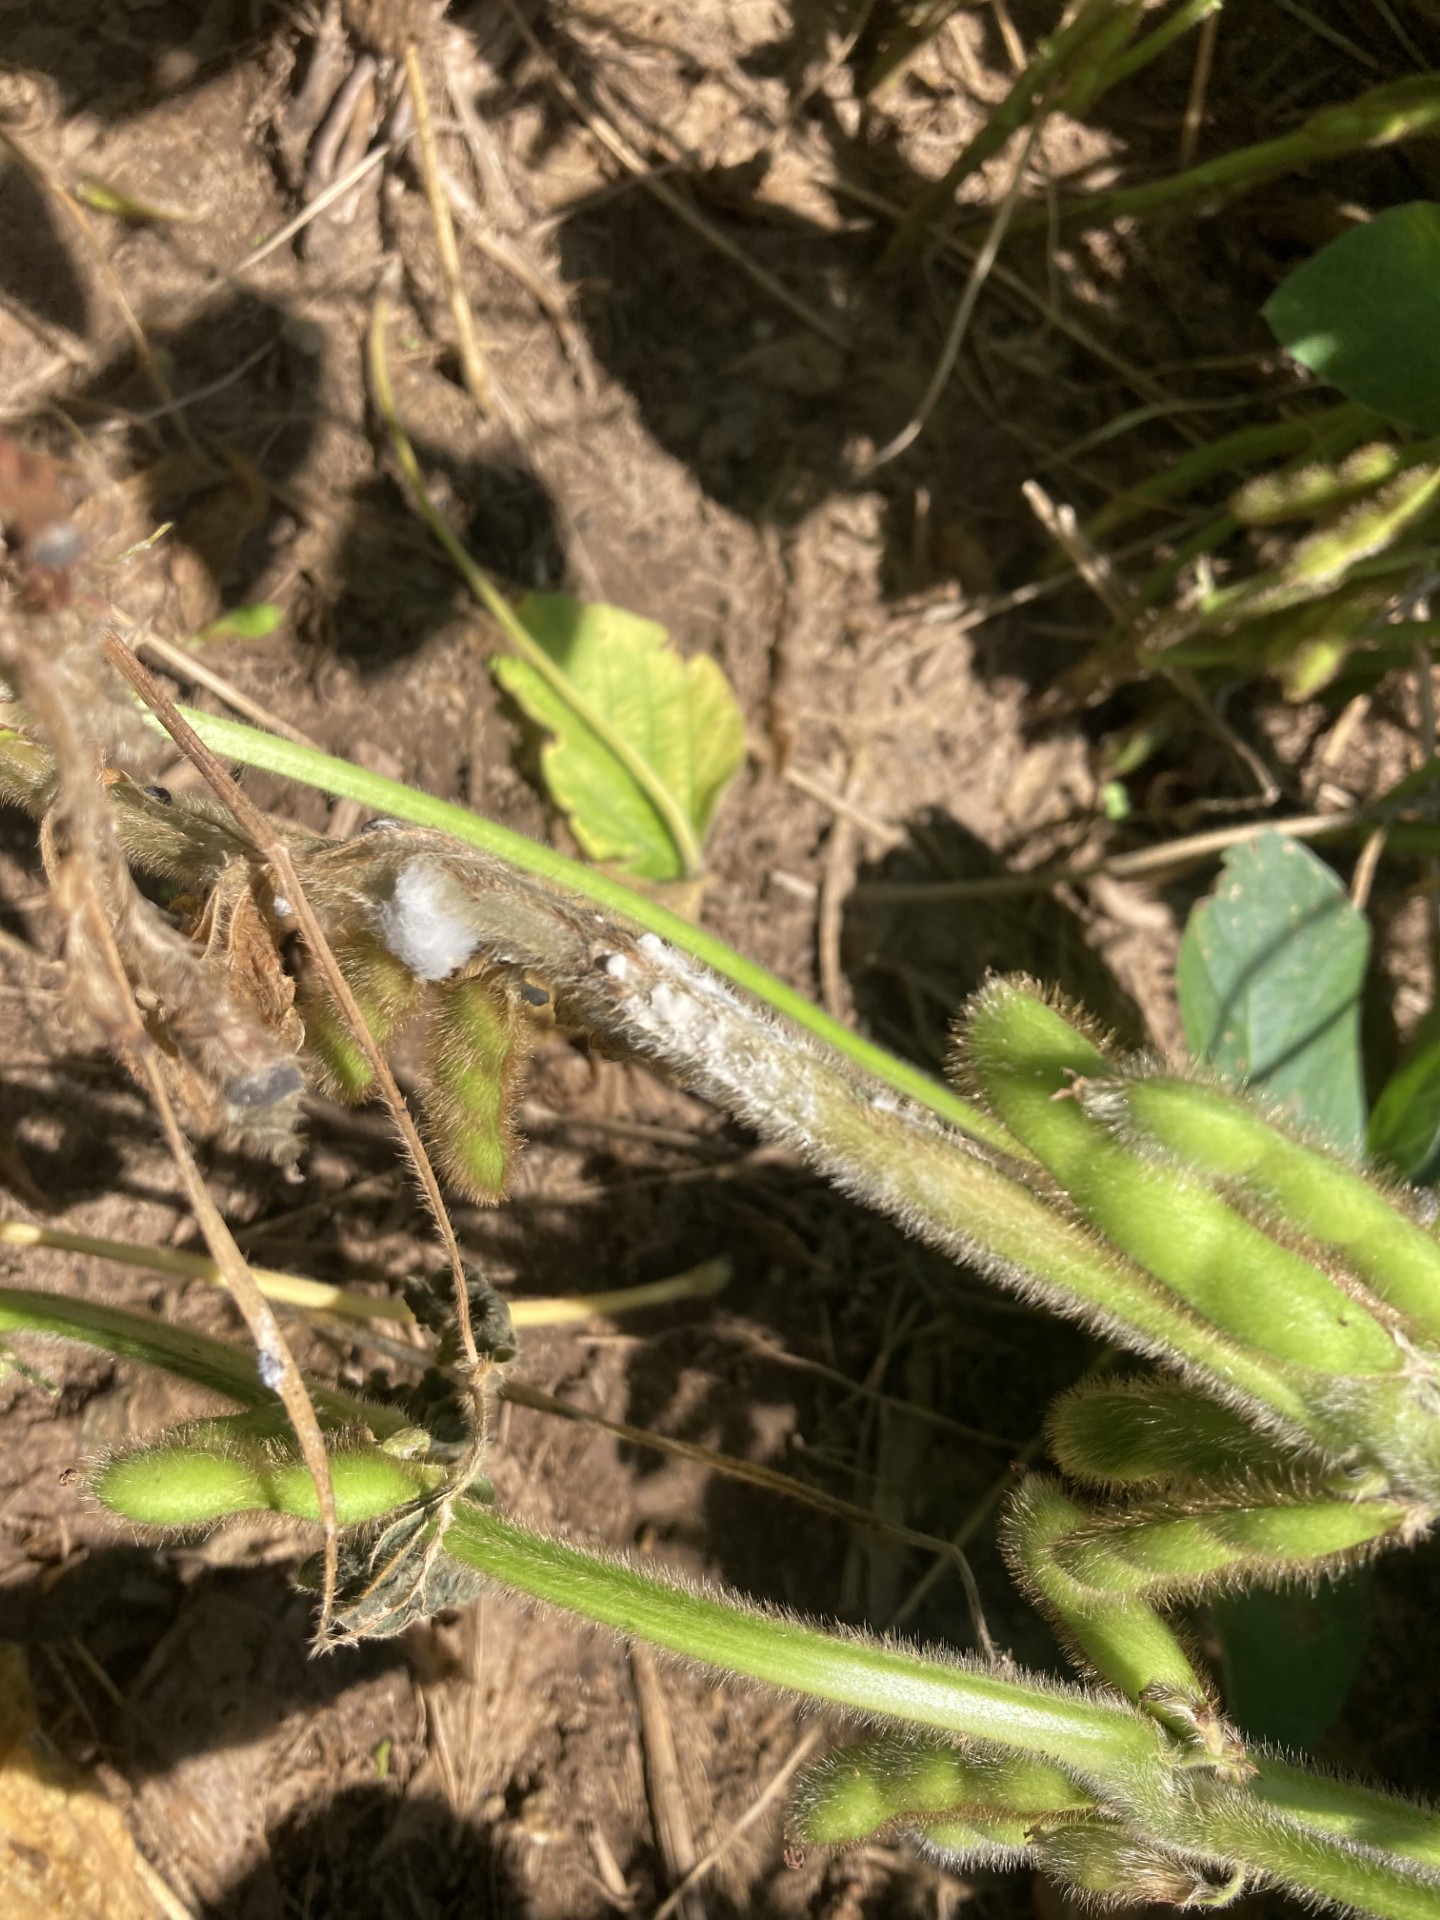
column 1270, row 1534
column 1157, row 1433
column 1031, row 1064
column 1299, row 493
column 992, row 1797
column 1117, row 1635
column 1304, row 1188
column 190, row 1477
column 1370, row 527
column 385, row 991
column 477, row 1040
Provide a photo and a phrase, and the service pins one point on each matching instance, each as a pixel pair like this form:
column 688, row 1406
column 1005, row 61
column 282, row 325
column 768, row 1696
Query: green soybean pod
column 1303, row 1186
column 203, row 1472
column 476, row 1044
column 1029, row 1061
column 368, row 1482
column 1264, row 1538
column 1301, row 492
column 176, row 1484
column 904, row 1779
column 385, row 991
column 1120, row 1637
column 1156, row 1432
column 1367, row 528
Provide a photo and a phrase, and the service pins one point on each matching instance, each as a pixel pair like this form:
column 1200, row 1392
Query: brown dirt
column 683, row 445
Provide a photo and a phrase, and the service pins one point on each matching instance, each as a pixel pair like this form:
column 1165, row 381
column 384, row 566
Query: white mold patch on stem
column 428, row 922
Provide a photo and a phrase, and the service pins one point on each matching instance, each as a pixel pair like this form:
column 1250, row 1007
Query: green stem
column 309, row 767
column 1085, row 1735
column 174, row 1349
column 1150, row 48
column 1402, row 110
column 1316, row 1835
column 1313, row 1835
column 671, row 814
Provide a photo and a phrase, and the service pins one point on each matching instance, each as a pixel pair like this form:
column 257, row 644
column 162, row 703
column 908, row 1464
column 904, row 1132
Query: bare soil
column 673, row 437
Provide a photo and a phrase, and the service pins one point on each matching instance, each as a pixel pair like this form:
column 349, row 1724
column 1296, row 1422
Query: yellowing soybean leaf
column 621, row 692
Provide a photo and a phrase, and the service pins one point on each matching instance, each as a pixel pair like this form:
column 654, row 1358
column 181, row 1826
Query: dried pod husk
column 903, row 1782
column 228, row 1068
column 389, row 1582
column 477, row 1042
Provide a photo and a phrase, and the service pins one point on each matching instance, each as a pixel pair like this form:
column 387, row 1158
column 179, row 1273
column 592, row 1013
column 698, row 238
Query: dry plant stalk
column 205, row 1014
column 119, row 953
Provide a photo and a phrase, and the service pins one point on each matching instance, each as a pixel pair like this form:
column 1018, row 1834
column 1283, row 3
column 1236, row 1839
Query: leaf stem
column 671, row 814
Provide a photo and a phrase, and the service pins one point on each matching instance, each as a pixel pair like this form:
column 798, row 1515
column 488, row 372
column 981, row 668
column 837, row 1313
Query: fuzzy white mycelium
column 426, row 923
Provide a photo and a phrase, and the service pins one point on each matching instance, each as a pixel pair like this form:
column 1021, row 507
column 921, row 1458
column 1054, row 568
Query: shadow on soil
column 772, row 418
column 372, row 1851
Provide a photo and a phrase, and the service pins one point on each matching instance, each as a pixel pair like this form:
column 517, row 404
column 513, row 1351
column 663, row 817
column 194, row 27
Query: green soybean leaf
column 1405, row 1126
column 677, row 716
column 1361, row 313
column 1269, row 981
column 1290, row 1657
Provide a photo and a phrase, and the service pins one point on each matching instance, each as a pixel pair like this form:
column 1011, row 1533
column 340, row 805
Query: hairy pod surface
column 385, row 991
column 1305, row 1188
column 1271, row 498
column 1028, row 1059
column 1117, row 1635
column 901, row 1779
column 1153, row 1433
column 1118, row 1867
column 1275, row 1536
column 183, row 1481
column 476, row 1044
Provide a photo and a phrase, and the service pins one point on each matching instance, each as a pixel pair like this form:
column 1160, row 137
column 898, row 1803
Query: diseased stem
column 249, row 747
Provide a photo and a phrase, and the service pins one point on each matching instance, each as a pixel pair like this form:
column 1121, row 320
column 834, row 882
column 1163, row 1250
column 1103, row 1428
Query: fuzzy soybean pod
column 1121, row 1637
column 1136, row 1433
column 1108, row 1862
column 1301, row 493
column 989, row 1796
column 189, row 1478
column 1300, row 1185
column 1029, row 1060
column 385, row 991
column 476, row 1045
column 1267, row 1535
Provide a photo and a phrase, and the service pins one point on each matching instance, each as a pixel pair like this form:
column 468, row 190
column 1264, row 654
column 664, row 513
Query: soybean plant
column 1287, row 1301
